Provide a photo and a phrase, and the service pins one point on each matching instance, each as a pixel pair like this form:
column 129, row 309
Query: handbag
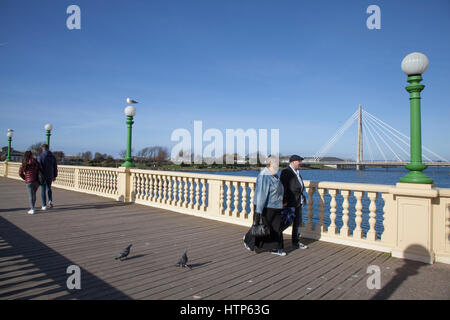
column 259, row 229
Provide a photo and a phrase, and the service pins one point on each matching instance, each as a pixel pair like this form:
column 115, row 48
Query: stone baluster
column 109, row 182
column 146, row 187
column 345, row 231
column 243, row 214
column 170, row 190
column 358, row 232
column 320, row 228
column 221, row 198
column 164, row 196
column 103, row 179
column 332, row 230
column 309, row 223
column 203, row 206
column 371, row 234
column 236, row 199
column 186, row 190
column 150, row 187
column 178, row 190
column 191, row 193
column 252, row 195
column 228, row 210
column 159, row 196
column 197, row 194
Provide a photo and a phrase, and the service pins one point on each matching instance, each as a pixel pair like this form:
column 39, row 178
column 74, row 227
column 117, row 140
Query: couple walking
column 30, row 171
column 279, row 202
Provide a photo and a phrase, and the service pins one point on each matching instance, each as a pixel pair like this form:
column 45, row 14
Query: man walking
column 48, row 163
column 294, row 198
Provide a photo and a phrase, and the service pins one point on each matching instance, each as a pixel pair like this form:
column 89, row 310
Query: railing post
column 5, row 173
column 124, row 185
column 214, row 190
column 414, row 203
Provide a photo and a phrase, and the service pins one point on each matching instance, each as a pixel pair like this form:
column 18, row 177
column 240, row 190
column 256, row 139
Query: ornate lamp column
column 414, row 65
column 48, row 128
column 130, row 112
column 9, row 134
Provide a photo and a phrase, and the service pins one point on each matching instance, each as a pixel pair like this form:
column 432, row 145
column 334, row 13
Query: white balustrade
column 226, row 198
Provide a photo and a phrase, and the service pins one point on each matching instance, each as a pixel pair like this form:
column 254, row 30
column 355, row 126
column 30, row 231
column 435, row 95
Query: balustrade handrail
column 349, row 186
column 207, row 176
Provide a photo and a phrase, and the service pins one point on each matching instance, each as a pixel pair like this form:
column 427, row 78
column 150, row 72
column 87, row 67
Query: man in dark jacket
column 50, row 168
column 293, row 196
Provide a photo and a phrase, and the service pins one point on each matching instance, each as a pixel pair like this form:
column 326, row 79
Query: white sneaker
column 279, row 252
column 31, row 211
column 50, row 205
column 44, row 208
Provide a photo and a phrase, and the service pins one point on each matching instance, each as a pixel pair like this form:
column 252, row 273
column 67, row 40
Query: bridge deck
column 89, row 231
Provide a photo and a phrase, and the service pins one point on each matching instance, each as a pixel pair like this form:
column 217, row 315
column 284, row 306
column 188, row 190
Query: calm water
column 390, row 176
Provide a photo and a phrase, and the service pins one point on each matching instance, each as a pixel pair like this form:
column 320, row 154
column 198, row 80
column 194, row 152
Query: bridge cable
column 384, row 141
column 377, row 125
column 365, row 138
column 376, row 142
column 407, row 143
column 336, row 137
column 332, row 140
column 423, row 147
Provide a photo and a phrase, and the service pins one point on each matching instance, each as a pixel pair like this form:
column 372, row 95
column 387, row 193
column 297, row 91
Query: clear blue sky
column 299, row 66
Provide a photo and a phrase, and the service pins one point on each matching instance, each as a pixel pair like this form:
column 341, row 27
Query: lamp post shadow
column 408, row 269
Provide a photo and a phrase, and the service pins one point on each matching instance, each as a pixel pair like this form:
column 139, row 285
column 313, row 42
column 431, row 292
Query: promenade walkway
column 89, row 231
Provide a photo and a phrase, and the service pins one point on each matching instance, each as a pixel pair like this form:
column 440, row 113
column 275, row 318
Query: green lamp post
column 9, row 134
column 130, row 112
column 414, row 65
column 48, row 127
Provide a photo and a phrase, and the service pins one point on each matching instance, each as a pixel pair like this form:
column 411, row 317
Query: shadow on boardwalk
column 43, row 270
column 407, row 270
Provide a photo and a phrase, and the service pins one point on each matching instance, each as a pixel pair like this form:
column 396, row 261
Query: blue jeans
column 296, row 225
column 32, row 188
column 47, row 186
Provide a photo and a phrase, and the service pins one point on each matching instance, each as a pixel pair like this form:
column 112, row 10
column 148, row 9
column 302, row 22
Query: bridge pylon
column 359, row 151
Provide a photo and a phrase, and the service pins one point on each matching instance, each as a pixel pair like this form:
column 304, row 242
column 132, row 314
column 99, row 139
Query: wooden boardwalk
column 89, row 231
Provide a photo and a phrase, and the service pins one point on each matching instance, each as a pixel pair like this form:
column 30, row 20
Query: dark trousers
column 296, row 225
column 32, row 188
column 47, row 186
column 272, row 218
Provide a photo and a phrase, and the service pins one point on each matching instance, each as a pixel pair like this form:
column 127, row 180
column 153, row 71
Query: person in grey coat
column 50, row 169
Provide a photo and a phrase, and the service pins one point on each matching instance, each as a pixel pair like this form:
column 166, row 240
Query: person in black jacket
column 293, row 196
column 48, row 162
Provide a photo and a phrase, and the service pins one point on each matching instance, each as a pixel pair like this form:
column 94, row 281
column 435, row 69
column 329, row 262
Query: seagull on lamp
column 131, row 101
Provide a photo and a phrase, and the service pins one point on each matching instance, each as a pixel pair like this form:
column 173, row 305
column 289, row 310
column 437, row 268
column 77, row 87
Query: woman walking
column 268, row 203
column 29, row 171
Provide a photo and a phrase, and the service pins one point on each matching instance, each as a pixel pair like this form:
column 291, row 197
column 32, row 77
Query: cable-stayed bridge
column 392, row 145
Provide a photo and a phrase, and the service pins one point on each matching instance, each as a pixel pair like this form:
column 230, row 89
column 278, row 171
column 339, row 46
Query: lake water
column 389, row 176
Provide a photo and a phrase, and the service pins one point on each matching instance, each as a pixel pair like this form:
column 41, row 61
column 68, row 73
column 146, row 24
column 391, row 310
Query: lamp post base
column 416, row 177
column 128, row 164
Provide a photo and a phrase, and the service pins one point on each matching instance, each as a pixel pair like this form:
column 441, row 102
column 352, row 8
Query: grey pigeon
column 125, row 252
column 183, row 261
column 131, row 101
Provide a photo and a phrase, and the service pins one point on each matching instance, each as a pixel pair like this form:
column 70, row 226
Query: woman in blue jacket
column 268, row 202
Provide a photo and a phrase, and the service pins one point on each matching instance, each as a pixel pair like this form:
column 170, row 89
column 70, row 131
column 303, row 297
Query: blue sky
column 298, row 66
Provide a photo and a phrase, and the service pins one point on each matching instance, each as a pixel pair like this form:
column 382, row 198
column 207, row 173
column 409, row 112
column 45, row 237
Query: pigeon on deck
column 125, row 252
column 131, row 101
column 183, row 261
